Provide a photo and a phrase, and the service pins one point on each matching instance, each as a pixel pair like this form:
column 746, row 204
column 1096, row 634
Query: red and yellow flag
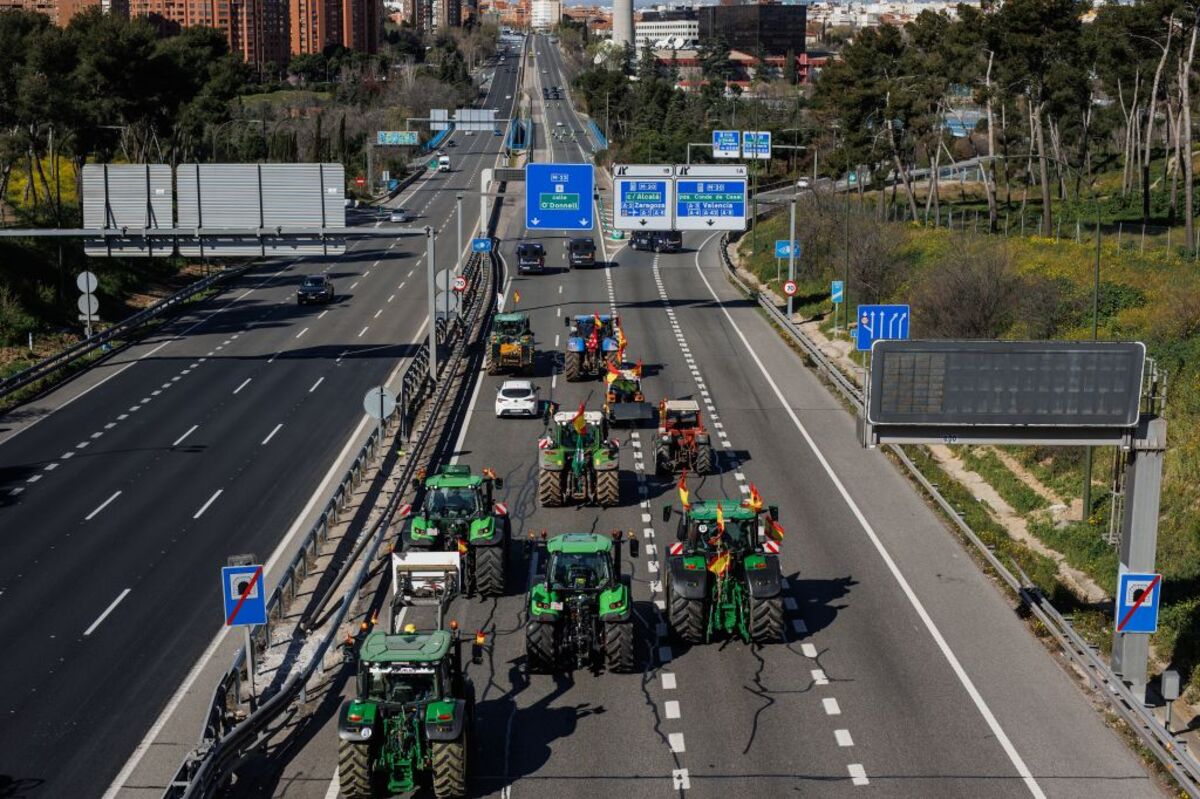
column 637, row 370
column 620, row 336
column 719, row 564
column 579, row 423
column 720, row 518
column 774, row 530
column 683, row 492
column 755, row 502
column 613, row 372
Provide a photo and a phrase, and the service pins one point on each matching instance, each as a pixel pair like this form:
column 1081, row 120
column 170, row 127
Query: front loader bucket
column 636, row 414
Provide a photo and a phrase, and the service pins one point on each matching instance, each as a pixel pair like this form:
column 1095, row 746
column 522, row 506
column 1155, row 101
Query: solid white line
column 858, row 775
column 335, row 787
column 107, row 611
column 831, row 706
column 179, row 440
column 272, row 433
column 320, row 380
column 101, row 507
column 243, row 385
column 968, row 685
column 302, row 332
column 843, row 737
column 211, row 500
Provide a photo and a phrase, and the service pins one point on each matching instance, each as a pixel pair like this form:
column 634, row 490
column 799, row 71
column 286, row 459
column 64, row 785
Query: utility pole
column 459, row 199
column 429, row 249
column 1086, row 511
column 791, row 252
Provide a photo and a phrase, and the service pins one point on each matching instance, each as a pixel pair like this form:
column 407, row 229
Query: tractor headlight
column 364, row 733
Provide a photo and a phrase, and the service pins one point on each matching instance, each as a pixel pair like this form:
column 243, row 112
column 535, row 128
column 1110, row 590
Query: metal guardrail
column 70, row 355
column 1170, row 751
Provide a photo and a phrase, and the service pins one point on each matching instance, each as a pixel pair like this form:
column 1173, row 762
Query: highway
column 120, row 505
column 905, row 672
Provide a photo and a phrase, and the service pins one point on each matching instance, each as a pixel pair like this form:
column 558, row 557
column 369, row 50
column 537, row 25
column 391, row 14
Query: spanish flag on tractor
column 755, row 502
column 774, row 530
column 720, row 518
column 719, row 564
column 613, row 373
column 683, row 492
column 579, row 423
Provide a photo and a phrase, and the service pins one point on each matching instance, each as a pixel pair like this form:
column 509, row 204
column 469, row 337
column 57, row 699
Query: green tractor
column 412, row 714
column 580, row 604
column 578, row 466
column 724, row 582
column 458, row 514
column 510, row 346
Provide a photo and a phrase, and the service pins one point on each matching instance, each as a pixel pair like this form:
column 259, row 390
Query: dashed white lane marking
column 101, row 507
column 243, row 385
column 556, row 340
column 789, row 603
column 808, row 650
column 49, row 467
column 675, row 739
column 179, row 440
column 302, row 332
column 391, row 297
column 831, row 706
column 15, row 491
column 67, row 455
column 321, row 315
column 107, row 611
column 206, row 505
column 819, row 678
column 271, row 434
column 377, row 313
column 362, row 332
column 96, row 435
column 125, row 416
column 320, row 380
column 352, row 285
column 679, row 779
column 843, row 737
column 110, row 425
column 671, row 709
column 858, row 774
column 558, row 311
column 401, row 284
column 668, row 681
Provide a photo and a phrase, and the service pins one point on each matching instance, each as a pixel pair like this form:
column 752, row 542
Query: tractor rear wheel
column 492, row 366
column 704, row 459
column 662, row 458
column 354, row 770
column 539, row 647
column 686, row 617
column 766, row 620
column 450, row 768
column 550, row 488
column 572, row 366
column 489, row 570
column 608, row 488
column 618, row 646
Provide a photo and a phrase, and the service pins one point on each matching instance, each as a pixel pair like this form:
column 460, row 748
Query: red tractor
column 683, row 441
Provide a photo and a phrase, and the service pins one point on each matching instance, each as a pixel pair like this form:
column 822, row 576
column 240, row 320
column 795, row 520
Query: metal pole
column 846, row 276
column 1086, row 511
column 429, row 249
column 249, row 665
column 791, row 253
column 459, row 255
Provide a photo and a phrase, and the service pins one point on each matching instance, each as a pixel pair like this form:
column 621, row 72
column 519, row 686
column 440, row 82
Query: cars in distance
column 657, row 240
column 517, row 398
column 444, row 162
column 400, row 215
column 581, row 252
column 802, row 183
column 531, row 257
column 315, row 288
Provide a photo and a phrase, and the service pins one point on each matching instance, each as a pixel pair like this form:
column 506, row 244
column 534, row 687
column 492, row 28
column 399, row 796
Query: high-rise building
column 546, row 15
column 314, row 25
column 773, row 30
column 257, row 30
column 680, row 27
column 59, row 11
column 622, row 22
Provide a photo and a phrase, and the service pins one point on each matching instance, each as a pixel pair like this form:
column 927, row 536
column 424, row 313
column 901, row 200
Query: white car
column 517, row 398
column 401, row 215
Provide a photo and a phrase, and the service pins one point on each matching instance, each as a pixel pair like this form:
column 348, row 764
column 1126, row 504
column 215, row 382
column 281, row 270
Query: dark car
column 581, row 252
column 657, row 240
column 315, row 288
column 531, row 257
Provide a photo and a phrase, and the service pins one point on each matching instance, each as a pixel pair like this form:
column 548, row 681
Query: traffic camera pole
column 429, row 239
column 458, row 258
column 791, row 253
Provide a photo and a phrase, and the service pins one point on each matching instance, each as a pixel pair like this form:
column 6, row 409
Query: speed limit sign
column 789, row 288
column 460, row 283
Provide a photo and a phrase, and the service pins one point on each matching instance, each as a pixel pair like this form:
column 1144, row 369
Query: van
column 657, row 240
column 581, row 252
column 531, row 257
column 443, row 163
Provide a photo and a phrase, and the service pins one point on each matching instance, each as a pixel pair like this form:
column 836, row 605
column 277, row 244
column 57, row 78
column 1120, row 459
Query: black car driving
column 315, row 288
column 657, row 240
column 581, row 252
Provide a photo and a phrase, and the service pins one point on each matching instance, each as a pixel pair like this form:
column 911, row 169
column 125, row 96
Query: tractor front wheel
column 550, row 488
column 539, row 647
column 354, row 770
column 704, row 459
column 572, row 366
column 608, row 488
column 450, row 768
column 686, row 617
column 766, row 620
column 618, row 646
column 489, row 570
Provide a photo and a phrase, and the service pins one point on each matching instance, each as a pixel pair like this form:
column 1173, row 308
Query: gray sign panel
column 133, row 196
column 1006, row 383
column 439, row 119
column 237, row 197
column 475, row 119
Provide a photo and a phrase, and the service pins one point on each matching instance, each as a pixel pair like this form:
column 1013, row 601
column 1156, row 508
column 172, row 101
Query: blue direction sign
column 481, row 245
column 877, row 322
column 1137, row 602
column 837, row 291
column 644, row 195
column 726, row 144
column 559, row 196
column 245, row 596
column 710, row 204
column 783, row 248
column 756, row 144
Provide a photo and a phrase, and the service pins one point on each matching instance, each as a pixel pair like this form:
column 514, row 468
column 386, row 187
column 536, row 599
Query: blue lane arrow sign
column 559, row 196
column 837, row 291
column 783, row 248
column 877, row 322
column 481, row 245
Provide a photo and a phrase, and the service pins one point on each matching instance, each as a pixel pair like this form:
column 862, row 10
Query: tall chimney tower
column 622, row 22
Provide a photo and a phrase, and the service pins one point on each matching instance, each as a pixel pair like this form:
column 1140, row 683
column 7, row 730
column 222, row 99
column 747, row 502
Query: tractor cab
column 512, row 325
column 406, row 669
column 564, row 434
column 679, row 415
column 455, row 493
column 699, row 527
column 624, row 402
column 683, row 442
column 510, row 346
column 583, row 325
column 579, row 562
